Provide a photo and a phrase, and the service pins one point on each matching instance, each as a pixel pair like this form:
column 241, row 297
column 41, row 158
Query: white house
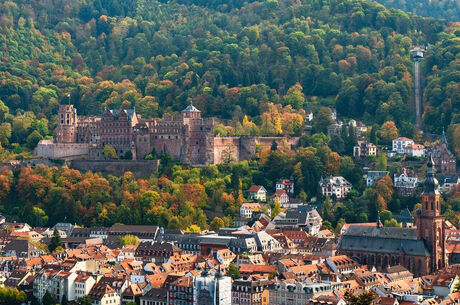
column 281, row 196
column 415, row 150
column 405, row 182
column 225, row 256
column 447, row 183
column 248, row 208
column 373, row 176
column 400, row 144
column 337, row 186
column 257, row 192
column 104, row 294
column 210, row 287
column 285, row 184
column 83, row 284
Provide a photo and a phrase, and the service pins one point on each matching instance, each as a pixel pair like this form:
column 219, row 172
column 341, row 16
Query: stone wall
column 244, row 147
column 46, row 148
column 141, row 168
column 225, row 147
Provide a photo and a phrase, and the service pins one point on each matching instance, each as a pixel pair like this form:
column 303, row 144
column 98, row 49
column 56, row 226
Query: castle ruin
column 188, row 137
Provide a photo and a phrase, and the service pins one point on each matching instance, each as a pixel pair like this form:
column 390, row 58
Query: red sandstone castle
column 187, row 137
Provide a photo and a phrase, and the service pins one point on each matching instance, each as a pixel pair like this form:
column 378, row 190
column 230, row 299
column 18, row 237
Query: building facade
column 187, row 137
column 335, row 186
column 443, row 158
column 405, row 182
column 421, row 250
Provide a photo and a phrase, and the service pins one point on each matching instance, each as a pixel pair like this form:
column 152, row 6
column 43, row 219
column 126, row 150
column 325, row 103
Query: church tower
column 430, row 223
column 66, row 131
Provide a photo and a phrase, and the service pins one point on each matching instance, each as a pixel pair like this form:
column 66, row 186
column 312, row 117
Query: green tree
column 33, row 139
column 55, row 241
column 64, row 300
column 322, row 120
column 385, row 215
column 84, row 300
column 391, row 223
column 129, row 240
column 216, row 224
column 47, row 299
column 381, row 161
column 233, row 271
column 110, row 153
column 12, row 296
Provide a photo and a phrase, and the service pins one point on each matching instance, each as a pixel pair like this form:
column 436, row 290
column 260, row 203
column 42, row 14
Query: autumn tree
column 109, row 152
column 365, row 298
column 388, row 132
column 216, row 224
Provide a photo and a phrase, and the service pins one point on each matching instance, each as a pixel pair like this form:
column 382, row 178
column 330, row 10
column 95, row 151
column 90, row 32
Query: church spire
column 430, row 186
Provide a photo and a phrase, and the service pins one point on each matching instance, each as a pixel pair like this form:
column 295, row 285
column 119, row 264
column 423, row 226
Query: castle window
column 432, row 205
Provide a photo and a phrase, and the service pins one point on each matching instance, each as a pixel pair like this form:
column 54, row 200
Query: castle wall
column 225, row 147
column 143, row 168
column 47, row 148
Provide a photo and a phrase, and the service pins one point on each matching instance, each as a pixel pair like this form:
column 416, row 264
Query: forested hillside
column 260, row 63
column 446, row 9
column 231, row 58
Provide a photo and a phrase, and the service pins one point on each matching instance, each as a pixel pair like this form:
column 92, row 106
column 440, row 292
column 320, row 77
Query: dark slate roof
column 116, row 113
column 156, row 294
column 405, row 216
column 383, row 240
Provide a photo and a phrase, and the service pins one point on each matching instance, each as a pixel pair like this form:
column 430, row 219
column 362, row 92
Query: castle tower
column 191, row 112
column 430, row 226
column 66, row 131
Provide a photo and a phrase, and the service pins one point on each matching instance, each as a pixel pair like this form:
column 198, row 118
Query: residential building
column 155, row 296
column 281, row 196
column 337, row 187
column 297, row 293
column 364, row 149
column 448, row 182
column 400, row 144
column 248, row 208
column 157, row 252
column 373, row 176
column 225, row 256
column 257, row 193
column 304, row 217
column 405, row 182
column 181, row 291
column 22, row 248
column 83, row 284
column 285, row 184
column 212, row 289
column 103, row 294
column 250, row 292
column 415, row 150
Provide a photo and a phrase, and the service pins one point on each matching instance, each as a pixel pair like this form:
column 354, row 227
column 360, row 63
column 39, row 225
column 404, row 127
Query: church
column 421, row 250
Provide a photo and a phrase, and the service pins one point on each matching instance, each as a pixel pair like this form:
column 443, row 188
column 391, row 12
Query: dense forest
column 257, row 64
column 444, row 9
column 231, row 58
column 193, row 198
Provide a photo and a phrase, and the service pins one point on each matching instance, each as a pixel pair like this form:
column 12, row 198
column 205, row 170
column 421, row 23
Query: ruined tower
column 430, row 223
column 66, row 131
